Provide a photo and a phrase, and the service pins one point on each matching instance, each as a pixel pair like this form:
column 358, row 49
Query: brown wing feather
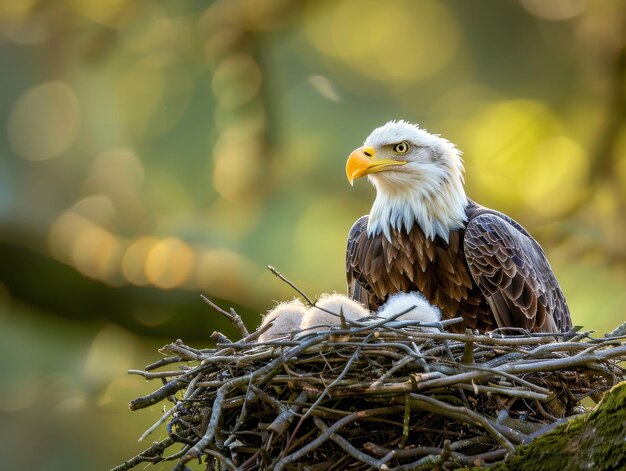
column 514, row 275
column 377, row 267
column 358, row 288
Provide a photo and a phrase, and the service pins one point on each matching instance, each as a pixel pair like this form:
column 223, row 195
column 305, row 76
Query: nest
column 385, row 395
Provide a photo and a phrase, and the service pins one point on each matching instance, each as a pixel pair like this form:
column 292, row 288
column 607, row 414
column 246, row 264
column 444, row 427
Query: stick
column 154, row 454
column 347, row 446
column 330, row 430
column 298, row 290
column 232, row 316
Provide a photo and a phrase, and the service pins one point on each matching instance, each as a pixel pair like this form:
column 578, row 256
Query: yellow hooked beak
column 362, row 162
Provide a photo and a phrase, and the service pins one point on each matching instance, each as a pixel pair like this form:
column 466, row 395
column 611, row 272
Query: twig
column 406, row 420
column 257, row 333
column 232, row 316
column 298, row 290
column 419, row 377
column 280, row 424
column 225, row 461
column 462, row 414
column 330, row 430
column 216, row 411
column 347, row 446
column 343, row 373
column 157, row 396
column 399, row 453
column 162, row 362
column 154, row 454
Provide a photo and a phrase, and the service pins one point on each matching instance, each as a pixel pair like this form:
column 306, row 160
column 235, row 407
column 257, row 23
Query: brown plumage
column 491, row 272
column 426, row 235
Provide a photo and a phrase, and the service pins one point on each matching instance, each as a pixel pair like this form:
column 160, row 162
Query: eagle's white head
column 418, row 178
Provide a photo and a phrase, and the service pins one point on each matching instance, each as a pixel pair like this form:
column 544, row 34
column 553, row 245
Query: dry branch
column 386, row 395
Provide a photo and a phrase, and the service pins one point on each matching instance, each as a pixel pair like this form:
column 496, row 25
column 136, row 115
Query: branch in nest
column 385, row 394
column 232, row 316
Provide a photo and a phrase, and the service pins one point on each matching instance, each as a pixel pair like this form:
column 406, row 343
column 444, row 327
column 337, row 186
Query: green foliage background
column 154, row 150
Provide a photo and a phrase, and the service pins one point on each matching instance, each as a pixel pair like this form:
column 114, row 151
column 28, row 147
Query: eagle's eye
column 401, row 148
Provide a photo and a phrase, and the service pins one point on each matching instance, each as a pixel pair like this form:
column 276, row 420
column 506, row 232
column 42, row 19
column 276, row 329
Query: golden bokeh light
column 76, row 239
column 558, row 170
column 114, row 166
column 81, row 237
column 134, row 260
column 96, row 253
column 44, row 122
column 169, row 263
column 505, row 158
column 118, row 174
column 62, row 233
column 96, row 208
column 371, row 37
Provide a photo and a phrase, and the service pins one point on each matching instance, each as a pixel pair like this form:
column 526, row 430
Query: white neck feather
column 437, row 210
column 427, row 190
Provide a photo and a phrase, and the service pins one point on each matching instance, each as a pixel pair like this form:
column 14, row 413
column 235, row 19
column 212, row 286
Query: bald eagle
column 424, row 234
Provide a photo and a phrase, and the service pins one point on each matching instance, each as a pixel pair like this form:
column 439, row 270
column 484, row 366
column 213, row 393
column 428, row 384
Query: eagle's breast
column 410, row 261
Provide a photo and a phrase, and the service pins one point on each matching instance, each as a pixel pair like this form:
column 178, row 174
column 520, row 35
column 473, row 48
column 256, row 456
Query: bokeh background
column 151, row 151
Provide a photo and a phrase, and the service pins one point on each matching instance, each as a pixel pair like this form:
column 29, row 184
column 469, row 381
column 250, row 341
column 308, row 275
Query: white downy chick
column 285, row 317
column 421, row 310
column 317, row 319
